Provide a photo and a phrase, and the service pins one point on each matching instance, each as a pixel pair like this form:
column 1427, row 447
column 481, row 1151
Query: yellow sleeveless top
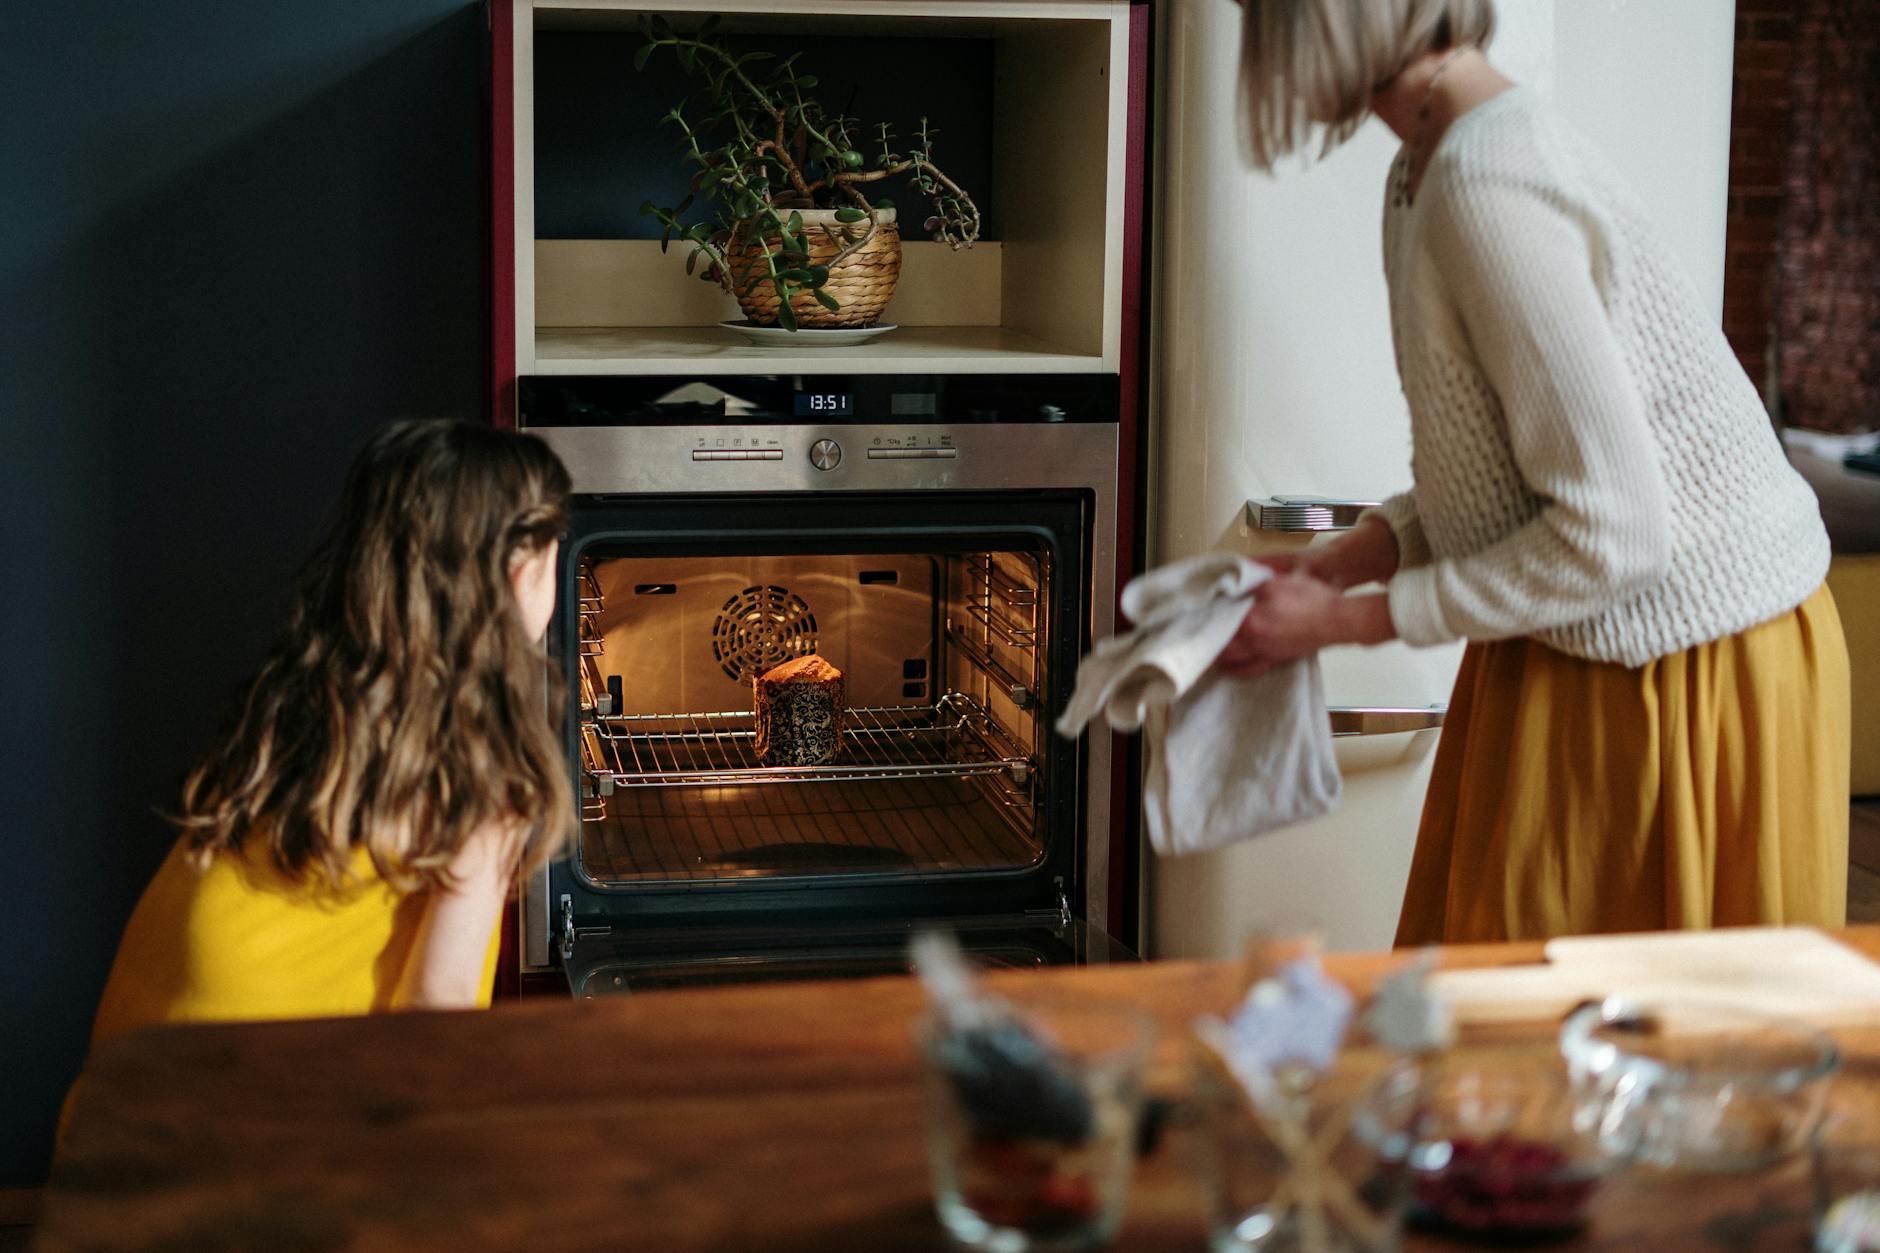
column 237, row 941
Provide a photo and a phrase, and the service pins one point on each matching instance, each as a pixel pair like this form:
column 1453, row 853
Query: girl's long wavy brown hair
column 403, row 707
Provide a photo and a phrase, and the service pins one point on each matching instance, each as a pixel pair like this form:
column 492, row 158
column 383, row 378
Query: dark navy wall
column 603, row 146
column 235, row 235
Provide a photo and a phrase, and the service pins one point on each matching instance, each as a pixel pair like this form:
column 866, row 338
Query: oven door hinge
column 567, row 927
column 1059, row 917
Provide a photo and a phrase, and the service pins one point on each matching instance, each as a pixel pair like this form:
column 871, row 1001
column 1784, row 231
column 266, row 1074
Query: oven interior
column 945, row 655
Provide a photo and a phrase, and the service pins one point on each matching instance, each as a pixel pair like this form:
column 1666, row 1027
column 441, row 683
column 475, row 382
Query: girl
column 348, row 843
column 1651, row 724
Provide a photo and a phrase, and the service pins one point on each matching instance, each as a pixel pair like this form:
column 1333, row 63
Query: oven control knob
column 825, row 454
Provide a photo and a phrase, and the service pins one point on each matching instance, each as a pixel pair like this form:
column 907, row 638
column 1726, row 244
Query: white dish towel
column 1227, row 758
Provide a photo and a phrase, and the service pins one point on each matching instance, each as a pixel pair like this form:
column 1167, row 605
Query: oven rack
column 1016, row 685
column 1000, row 585
column 950, row 739
column 1004, row 609
column 589, row 604
column 1011, row 634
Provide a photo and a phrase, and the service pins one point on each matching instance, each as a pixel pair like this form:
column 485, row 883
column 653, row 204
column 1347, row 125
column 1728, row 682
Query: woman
column 348, row 842
column 1650, row 727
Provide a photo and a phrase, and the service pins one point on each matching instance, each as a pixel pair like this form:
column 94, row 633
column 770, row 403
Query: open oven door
column 957, row 620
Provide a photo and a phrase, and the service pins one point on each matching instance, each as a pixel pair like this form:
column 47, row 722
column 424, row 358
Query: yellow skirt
column 1707, row 788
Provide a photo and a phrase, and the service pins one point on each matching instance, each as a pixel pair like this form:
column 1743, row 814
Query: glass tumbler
column 1320, row 1169
column 1037, row 1157
column 1845, row 1155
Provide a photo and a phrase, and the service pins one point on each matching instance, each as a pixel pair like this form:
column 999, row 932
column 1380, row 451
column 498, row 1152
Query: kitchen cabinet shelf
column 721, row 350
column 1034, row 99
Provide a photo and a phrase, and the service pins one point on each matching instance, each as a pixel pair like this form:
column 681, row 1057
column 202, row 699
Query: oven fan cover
column 687, row 633
column 759, row 628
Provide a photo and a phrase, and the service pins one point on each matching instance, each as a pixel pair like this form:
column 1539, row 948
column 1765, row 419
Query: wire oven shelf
column 1004, row 609
column 950, row 739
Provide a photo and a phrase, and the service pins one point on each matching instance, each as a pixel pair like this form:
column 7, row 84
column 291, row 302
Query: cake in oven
column 799, row 707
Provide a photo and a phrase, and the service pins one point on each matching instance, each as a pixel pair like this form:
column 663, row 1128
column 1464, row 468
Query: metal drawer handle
column 1373, row 720
column 1305, row 513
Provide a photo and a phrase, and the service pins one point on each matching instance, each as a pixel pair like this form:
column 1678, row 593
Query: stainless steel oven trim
column 657, row 460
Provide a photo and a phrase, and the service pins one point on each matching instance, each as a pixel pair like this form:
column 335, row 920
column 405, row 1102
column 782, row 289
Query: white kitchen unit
column 1276, row 378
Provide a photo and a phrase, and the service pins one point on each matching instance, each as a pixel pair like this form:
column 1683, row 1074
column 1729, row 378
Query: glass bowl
column 1694, row 1085
column 1498, row 1152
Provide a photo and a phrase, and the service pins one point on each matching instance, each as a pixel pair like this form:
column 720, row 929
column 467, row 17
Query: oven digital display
column 824, row 405
column 754, row 401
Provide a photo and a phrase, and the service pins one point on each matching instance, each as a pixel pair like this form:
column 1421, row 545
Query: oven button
column 737, row 454
column 913, row 454
column 825, row 454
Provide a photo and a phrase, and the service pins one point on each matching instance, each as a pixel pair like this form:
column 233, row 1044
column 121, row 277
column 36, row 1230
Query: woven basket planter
column 863, row 284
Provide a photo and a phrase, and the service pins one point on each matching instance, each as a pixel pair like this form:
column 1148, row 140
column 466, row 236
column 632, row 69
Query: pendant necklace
column 1415, row 150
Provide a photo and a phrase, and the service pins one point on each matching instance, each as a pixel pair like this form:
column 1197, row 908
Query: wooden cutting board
column 1796, row 971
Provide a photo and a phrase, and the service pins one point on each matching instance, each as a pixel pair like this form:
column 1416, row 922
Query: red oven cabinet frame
column 1125, row 840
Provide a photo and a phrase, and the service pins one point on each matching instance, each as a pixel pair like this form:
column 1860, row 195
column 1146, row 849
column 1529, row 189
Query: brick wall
column 1802, row 268
column 1765, row 38
column 1827, row 290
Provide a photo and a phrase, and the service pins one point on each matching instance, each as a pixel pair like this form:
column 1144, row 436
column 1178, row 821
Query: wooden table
column 771, row 1117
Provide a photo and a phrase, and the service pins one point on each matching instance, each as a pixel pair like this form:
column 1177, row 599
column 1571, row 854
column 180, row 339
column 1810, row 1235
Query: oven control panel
column 678, row 434
column 817, row 458
column 827, row 453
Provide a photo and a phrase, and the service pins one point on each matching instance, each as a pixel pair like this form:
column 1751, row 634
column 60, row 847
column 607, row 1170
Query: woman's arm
column 445, row 970
column 1398, row 515
column 1520, row 266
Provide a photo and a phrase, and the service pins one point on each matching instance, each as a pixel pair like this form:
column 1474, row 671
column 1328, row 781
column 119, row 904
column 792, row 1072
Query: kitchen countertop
column 774, row 1117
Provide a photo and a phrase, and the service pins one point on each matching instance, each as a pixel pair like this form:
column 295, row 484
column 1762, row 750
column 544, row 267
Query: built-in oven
column 947, row 544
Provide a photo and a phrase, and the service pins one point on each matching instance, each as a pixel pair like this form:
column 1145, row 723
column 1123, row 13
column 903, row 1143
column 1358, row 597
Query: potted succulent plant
column 784, row 221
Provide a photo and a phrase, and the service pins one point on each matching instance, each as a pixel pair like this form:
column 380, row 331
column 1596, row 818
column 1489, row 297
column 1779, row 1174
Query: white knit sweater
column 1592, row 467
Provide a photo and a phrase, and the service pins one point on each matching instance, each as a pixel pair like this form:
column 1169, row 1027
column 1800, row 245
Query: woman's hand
column 1294, row 616
column 1365, row 554
column 1287, row 622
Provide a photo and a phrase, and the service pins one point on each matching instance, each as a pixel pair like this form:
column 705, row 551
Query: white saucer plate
column 808, row 337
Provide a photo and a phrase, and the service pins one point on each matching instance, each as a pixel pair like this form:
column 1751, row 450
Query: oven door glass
column 952, row 621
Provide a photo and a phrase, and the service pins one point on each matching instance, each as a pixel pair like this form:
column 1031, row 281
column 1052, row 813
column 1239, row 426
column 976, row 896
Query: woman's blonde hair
column 404, row 706
column 1318, row 62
